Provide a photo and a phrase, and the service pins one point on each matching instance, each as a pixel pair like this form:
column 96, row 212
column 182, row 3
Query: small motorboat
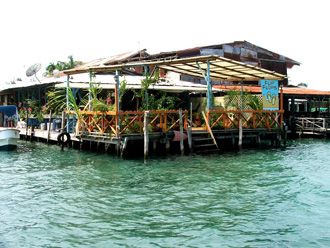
column 8, row 139
column 8, row 134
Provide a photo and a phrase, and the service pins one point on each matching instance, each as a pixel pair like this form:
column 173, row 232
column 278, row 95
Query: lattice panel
column 236, row 102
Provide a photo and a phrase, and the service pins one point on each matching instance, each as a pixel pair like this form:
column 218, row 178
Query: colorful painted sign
column 269, row 90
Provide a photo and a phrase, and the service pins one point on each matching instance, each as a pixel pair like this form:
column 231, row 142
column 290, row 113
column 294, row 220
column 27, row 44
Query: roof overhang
column 221, row 69
column 81, row 81
column 289, row 91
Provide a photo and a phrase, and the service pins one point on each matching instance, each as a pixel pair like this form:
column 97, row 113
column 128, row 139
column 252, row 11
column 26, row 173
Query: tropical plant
column 253, row 102
column 56, row 100
column 98, row 104
column 60, row 65
column 236, row 99
column 157, row 99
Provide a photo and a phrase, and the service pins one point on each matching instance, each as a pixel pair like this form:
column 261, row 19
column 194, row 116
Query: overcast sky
column 47, row 31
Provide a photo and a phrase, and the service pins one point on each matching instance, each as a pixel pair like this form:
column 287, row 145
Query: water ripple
column 255, row 198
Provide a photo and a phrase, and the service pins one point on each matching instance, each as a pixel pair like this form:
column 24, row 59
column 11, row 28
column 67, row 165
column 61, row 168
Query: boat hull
column 8, row 139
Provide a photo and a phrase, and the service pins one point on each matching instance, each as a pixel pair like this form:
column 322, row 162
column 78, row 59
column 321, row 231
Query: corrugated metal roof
column 220, row 68
column 133, row 82
column 245, row 44
column 109, row 60
column 286, row 90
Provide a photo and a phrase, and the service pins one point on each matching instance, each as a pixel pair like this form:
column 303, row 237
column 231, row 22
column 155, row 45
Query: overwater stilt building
column 202, row 78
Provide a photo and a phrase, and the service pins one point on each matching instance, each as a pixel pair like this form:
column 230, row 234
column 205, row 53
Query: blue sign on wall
column 269, row 90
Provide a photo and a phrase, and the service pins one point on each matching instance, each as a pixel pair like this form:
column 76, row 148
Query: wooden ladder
column 207, row 144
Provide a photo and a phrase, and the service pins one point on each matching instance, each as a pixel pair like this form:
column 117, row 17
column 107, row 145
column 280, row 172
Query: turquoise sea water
column 254, row 198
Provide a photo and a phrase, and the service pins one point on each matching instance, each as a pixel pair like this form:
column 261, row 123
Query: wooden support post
column 50, row 121
column 146, row 135
column 240, row 133
column 124, row 146
column 63, row 122
column 32, row 132
column 116, row 108
column 279, row 139
column 208, row 128
column 281, row 106
column 189, row 137
column 285, row 134
column 154, row 146
column 191, row 114
column 181, row 132
column 272, row 139
column 258, row 140
column 27, row 123
column 168, row 146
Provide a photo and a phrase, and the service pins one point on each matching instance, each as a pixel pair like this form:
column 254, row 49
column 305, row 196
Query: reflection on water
column 255, row 198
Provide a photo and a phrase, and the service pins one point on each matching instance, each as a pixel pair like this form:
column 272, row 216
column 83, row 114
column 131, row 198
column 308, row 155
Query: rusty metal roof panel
column 220, row 68
column 108, row 60
column 262, row 52
column 286, row 90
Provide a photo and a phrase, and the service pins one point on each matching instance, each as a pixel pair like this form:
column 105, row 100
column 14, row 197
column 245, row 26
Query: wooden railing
column 130, row 121
column 251, row 119
column 312, row 124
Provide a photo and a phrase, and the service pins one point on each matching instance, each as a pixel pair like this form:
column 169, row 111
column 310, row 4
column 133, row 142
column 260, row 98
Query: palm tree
column 60, row 65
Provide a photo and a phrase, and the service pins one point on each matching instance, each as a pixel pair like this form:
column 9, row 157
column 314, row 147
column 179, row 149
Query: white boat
column 8, row 139
column 8, row 134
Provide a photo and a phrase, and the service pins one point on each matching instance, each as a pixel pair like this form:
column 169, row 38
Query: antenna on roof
column 33, row 69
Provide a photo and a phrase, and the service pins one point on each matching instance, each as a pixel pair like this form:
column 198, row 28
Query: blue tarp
column 10, row 112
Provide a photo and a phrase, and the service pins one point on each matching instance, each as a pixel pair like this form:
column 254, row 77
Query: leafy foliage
column 234, row 99
column 97, row 104
column 159, row 100
column 162, row 101
column 61, row 66
column 56, row 100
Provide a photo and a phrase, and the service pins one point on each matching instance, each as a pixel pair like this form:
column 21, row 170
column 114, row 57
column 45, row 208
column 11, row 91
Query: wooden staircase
column 204, row 141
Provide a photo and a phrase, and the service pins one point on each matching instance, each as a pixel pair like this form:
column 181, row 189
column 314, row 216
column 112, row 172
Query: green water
column 255, row 198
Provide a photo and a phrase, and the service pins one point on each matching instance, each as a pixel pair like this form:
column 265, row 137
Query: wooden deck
column 154, row 129
column 201, row 140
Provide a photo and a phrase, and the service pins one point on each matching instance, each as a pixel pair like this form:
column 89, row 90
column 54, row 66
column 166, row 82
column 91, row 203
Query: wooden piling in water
column 27, row 123
column 50, row 121
column 240, row 134
column 63, row 122
column 181, row 132
column 189, row 138
column 146, row 134
column 124, row 147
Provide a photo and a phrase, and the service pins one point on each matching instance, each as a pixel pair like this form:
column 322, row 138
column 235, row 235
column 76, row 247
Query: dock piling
column 181, row 132
column 50, row 120
column 189, row 137
column 146, row 134
column 124, row 146
column 240, row 138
